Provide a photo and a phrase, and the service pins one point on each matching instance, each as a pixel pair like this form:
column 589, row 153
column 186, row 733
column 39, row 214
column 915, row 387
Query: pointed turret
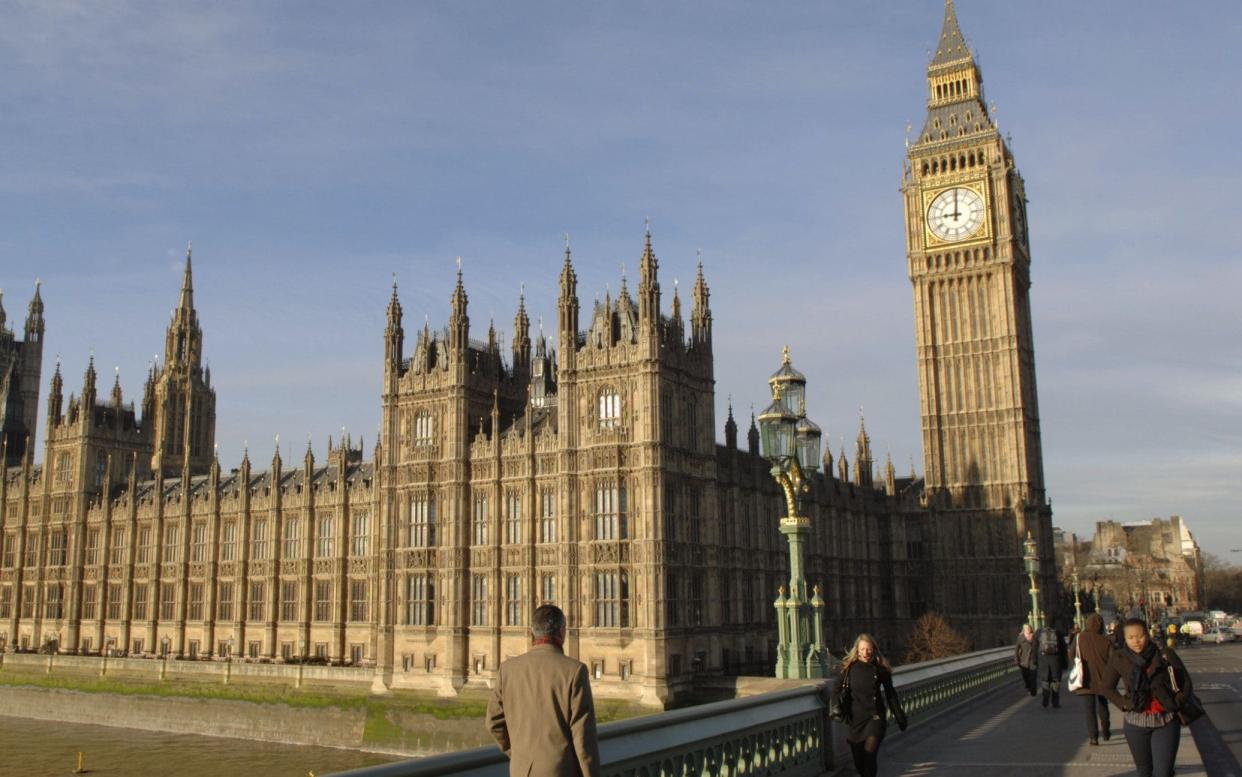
column 752, row 436
column 394, row 334
column 276, row 463
column 459, row 321
column 828, row 461
column 567, row 310
column 701, row 312
column 116, row 389
column 890, row 475
column 183, row 344
column 543, row 373
column 676, row 325
column 521, row 336
column 648, row 286
column 88, row 388
column 34, row 316
column 308, row 461
column 862, row 454
column 730, row 429
column 55, row 398
column 3, row 315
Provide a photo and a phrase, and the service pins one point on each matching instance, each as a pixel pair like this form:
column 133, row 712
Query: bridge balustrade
column 785, row 732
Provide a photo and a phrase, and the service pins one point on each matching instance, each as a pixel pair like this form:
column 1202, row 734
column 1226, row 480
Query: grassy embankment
column 400, row 720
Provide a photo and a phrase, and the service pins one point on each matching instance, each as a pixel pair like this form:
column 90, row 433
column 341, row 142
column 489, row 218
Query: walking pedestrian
column 1095, row 650
column 1025, row 655
column 1051, row 663
column 541, row 712
column 1154, row 695
column 867, row 678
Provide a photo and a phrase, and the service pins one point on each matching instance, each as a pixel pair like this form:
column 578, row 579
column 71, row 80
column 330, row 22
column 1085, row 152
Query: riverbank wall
column 289, row 704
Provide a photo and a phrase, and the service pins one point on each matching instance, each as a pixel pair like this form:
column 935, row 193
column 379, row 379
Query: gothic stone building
column 582, row 471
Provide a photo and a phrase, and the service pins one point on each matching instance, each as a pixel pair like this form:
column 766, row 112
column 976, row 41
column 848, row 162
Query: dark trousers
column 1154, row 749
column 1050, row 679
column 1097, row 715
column 1028, row 679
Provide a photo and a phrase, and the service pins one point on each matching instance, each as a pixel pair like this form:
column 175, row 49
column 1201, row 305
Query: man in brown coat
column 1094, row 649
column 541, row 712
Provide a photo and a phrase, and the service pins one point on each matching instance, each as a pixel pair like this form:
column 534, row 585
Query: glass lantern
column 776, row 425
column 809, row 438
column 1030, row 559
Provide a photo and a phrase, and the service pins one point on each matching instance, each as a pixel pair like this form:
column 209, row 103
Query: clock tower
column 969, row 261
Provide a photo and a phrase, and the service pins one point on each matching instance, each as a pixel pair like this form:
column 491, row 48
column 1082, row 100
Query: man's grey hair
column 548, row 621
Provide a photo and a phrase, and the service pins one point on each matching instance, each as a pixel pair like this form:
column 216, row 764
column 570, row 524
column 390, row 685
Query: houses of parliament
column 580, row 468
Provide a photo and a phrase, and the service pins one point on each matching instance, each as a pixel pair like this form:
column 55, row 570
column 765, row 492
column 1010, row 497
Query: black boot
column 1045, row 698
column 1056, row 700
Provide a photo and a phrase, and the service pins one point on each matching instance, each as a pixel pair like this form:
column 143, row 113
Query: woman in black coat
column 1158, row 692
column 867, row 680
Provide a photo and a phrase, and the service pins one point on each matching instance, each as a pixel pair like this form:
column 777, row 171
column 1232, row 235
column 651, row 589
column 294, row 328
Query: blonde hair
column 852, row 658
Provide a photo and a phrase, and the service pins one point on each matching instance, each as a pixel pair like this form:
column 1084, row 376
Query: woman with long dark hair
column 867, row 679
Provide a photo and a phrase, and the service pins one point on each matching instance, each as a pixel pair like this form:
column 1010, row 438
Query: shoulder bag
column 839, row 706
column 1189, row 708
column 1077, row 676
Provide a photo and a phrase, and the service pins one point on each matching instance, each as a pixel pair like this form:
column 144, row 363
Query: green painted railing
column 786, row 732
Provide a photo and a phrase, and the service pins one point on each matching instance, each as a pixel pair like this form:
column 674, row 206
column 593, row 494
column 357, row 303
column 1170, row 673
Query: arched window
column 423, row 428
column 326, row 534
column 609, row 409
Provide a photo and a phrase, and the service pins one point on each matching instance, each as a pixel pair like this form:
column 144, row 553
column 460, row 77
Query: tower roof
column 952, row 46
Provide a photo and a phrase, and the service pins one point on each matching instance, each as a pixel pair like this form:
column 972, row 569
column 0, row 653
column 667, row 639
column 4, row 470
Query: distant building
column 1151, row 566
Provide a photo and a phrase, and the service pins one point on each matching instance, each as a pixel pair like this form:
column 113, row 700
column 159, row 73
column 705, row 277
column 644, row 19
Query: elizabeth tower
column 969, row 262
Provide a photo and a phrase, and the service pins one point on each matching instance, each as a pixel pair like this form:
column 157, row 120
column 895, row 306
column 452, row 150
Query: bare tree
column 932, row 637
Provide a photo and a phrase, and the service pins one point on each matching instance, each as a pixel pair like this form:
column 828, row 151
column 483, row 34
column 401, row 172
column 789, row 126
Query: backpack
column 1049, row 642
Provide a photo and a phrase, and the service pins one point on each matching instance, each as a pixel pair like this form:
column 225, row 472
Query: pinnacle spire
column 952, row 46
column 187, row 281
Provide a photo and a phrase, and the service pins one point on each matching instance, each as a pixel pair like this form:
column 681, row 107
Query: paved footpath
column 1009, row 732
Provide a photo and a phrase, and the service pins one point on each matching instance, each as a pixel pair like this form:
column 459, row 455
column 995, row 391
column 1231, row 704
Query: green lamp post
column 1032, row 569
column 1077, row 601
column 791, row 442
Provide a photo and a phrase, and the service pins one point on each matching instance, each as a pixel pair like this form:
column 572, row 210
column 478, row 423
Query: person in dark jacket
column 1095, row 650
column 868, row 680
column 1025, row 655
column 1152, row 727
column 1051, row 647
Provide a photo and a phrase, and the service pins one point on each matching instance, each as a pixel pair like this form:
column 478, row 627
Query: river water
column 37, row 748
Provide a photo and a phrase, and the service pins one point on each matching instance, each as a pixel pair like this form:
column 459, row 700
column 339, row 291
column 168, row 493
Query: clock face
column 955, row 214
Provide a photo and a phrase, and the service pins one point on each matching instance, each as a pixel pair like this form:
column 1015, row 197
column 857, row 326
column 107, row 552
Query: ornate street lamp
column 1077, row 601
column 791, row 442
column 1032, row 568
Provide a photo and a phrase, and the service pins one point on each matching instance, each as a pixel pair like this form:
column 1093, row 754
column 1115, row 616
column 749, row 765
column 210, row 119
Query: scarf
column 1140, row 680
column 549, row 640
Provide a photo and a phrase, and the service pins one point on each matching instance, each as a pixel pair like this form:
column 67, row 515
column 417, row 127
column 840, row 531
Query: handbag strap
column 1172, row 674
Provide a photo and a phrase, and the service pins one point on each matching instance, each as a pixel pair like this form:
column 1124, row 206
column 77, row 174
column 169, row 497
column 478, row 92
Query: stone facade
column 1153, row 565
column 580, row 469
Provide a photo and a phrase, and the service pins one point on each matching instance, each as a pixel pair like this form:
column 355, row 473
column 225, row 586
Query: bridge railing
column 785, row 732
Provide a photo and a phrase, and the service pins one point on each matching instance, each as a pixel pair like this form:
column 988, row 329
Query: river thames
column 34, row 748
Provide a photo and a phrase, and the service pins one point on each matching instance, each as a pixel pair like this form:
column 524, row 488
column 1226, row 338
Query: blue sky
column 310, row 150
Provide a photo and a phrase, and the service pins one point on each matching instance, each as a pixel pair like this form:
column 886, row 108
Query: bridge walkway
column 1008, row 732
